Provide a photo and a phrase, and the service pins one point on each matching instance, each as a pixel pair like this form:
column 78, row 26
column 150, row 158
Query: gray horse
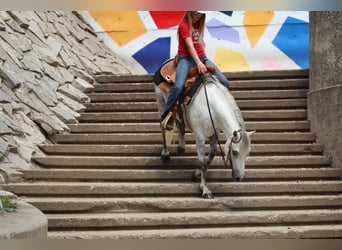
column 212, row 110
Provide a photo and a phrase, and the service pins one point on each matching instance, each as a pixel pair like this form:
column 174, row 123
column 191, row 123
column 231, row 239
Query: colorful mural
column 235, row 40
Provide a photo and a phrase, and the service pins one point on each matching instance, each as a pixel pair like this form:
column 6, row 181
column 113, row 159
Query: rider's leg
column 219, row 74
column 183, row 66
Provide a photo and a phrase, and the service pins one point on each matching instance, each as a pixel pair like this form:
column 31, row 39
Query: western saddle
column 165, row 77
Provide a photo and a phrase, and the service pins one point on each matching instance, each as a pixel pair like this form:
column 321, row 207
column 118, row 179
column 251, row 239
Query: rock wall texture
column 325, row 96
column 48, row 61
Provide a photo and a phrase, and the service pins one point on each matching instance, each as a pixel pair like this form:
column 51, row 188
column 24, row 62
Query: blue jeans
column 184, row 64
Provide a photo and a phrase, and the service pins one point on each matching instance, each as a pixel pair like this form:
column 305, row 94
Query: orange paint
column 255, row 23
column 121, row 26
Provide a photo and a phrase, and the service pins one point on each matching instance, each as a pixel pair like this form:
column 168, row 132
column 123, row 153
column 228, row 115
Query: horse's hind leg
column 161, row 101
column 165, row 154
column 206, row 193
column 181, row 139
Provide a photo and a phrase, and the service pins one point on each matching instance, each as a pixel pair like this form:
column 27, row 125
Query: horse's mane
column 230, row 98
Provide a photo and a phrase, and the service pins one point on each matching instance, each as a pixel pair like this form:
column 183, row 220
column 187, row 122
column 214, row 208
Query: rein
column 225, row 161
column 216, row 135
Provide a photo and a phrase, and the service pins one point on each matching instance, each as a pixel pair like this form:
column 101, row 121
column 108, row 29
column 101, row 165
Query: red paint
column 166, row 19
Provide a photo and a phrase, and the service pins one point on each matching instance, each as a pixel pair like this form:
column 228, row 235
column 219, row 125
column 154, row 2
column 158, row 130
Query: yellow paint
column 121, row 26
column 255, row 23
column 229, row 60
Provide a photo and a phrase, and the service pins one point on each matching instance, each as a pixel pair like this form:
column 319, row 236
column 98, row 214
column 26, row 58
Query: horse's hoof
column 165, row 158
column 207, row 196
column 181, row 151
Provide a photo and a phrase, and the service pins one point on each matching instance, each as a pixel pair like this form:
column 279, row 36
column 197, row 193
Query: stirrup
column 168, row 122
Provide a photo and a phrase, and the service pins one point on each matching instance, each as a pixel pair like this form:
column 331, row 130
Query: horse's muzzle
column 237, row 177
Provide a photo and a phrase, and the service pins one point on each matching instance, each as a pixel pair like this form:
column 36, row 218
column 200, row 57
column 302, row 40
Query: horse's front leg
column 206, row 193
column 213, row 148
column 196, row 175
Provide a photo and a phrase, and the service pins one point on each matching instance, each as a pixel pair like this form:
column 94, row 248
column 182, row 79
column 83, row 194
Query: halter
column 230, row 149
column 225, row 161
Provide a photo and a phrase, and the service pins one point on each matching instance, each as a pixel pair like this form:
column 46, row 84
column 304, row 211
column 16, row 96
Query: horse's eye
column 235, row 152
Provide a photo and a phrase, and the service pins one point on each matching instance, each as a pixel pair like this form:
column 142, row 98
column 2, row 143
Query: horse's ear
column 250, row 133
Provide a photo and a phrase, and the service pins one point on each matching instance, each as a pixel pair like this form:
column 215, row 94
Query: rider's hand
column 202, row 69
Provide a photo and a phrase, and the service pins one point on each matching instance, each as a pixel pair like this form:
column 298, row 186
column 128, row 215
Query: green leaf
column 8, row 205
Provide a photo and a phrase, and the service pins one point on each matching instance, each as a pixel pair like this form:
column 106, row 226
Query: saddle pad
column 158, row 78
column 168, row 71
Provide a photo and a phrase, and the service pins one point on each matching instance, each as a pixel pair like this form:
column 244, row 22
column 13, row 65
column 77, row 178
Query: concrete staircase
column 106, row 180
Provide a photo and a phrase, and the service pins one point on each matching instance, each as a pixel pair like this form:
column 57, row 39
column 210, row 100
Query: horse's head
column 236, row 150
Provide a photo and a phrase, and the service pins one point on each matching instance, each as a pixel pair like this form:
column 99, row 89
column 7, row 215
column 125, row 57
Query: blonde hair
column 201, row 23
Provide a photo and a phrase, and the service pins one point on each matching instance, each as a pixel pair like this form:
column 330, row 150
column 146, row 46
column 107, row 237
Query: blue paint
column 293, row 40
column 154, row 54
column 221, row 31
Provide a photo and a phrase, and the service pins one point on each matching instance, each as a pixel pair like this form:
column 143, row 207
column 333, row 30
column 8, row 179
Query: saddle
column 165, row 77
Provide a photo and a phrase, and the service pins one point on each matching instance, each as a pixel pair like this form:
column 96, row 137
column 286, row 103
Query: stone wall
column 325, row 96
column 47, row 64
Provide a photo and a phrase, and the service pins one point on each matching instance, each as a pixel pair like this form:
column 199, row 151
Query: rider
column 191, row 52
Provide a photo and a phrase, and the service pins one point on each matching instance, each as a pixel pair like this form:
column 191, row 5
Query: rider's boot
column 169, row 121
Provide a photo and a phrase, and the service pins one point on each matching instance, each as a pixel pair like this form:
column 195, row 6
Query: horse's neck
column 233, row 120
column 223, row 107
column 230, row 125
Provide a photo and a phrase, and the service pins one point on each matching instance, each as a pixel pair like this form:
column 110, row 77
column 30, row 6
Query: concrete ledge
column 26, row 223
column 325, row 115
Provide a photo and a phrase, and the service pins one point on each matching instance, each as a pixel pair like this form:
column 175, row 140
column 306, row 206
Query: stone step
column 239, row 75
column 106, row 180
column 274, row 74
column 250, row 115
column 193, row 219
column 238, row 94
column 300, row 83
column 130, row 137
column 154, row 127
column 122, row 107
column 58, row 161
column 165, row 204
column 147, row 175
column 124, row 87
column 152, row 105
column 251, row 232
column 136, row 189
column 271, row 84
column 103, row 79
column 191, row 149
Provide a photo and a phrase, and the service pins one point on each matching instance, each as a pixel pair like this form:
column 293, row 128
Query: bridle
column 230, row 148
column 225, row 161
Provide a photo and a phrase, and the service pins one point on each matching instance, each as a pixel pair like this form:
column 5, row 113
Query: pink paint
column 271, row 65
